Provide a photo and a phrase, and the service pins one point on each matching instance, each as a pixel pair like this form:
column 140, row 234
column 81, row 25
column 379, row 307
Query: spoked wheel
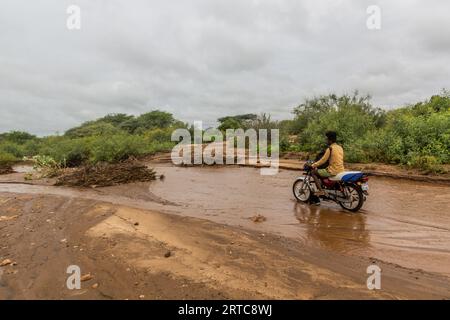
column 355, row 198
column 301, row 191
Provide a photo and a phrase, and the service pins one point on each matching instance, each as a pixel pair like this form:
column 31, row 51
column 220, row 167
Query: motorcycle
column 349, row 188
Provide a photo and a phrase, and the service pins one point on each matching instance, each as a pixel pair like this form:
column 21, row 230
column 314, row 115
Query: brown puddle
column 402, row 222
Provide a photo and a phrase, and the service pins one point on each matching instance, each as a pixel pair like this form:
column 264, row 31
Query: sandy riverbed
column 200, row 217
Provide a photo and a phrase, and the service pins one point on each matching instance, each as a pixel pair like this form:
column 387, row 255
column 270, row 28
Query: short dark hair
column 331, row 135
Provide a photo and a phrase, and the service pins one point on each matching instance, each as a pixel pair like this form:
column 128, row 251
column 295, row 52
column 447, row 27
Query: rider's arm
column 322, row 160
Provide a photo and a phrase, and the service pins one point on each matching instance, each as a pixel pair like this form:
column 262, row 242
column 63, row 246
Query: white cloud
column 203, row 59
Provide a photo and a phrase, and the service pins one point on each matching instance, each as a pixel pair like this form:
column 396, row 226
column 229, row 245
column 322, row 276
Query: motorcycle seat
column 347, row 176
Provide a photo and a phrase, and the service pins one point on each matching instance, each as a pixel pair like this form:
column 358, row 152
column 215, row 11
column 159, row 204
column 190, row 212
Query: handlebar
column 308, row 165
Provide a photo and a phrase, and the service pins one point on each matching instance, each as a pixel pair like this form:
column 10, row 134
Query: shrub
column 408, row 135
column 416, row 135
column 7, row 159
column 116, row 148
column 47, row 166
column 429, row 164
column 70, row 152
column 18, row 137
column 355, row 153
column 12, row 148
column 44, row 162
column 158, row 135
column 93, row 129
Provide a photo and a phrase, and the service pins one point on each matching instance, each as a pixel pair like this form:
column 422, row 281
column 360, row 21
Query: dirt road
column 192, row 236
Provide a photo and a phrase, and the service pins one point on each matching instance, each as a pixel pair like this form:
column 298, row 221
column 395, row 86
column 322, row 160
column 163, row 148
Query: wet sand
column 202, row 215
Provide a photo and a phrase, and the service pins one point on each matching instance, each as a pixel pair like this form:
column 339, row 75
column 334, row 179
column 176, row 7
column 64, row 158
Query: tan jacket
column 336, row 163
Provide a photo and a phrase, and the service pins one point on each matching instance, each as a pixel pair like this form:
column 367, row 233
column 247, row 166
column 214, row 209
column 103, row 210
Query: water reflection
column 333, row 229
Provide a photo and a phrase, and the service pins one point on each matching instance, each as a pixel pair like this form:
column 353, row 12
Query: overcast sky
column 203, row 59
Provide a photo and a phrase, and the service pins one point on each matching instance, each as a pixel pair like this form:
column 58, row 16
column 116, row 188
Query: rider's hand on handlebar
column 308, row 165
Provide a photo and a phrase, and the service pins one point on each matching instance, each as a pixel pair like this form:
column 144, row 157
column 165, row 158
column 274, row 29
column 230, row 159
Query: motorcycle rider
column 334, row 155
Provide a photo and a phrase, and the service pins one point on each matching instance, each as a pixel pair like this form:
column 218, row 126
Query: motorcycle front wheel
column 355, row 198
column 301, row 190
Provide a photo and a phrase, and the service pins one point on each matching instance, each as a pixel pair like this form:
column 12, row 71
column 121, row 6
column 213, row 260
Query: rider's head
column 331, row 137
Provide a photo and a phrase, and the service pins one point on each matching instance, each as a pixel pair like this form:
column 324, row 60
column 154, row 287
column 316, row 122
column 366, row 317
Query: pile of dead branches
column 105, row 174
column 5, row 169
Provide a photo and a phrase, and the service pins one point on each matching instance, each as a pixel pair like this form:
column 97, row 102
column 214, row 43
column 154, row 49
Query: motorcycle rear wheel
column 356, row 198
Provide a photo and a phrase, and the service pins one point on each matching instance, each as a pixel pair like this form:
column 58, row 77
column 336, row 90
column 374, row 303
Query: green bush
column 417, row 136
column 70, row 152
column 111, row 148
column 12, row 148
column 93, row 129
column 401, row 136
column 18, row 137
column 116, row 148
column 355, row 153
column 284, row 144
column 429, row 164
column 158, row 135
column 7, row 159
column 406, row 135
column 44, row 162
column 350, row 117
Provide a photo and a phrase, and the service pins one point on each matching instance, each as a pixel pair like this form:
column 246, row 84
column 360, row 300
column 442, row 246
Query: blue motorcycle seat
column 347, row 176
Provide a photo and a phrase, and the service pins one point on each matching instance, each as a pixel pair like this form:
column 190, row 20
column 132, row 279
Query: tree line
column 416, row 135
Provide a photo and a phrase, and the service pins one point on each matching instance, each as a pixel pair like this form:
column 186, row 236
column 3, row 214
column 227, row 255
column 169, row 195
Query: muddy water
column 403, row 222
column 23, row 168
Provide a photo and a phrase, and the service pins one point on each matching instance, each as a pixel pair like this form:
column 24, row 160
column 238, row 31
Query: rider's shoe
column 314, row 200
